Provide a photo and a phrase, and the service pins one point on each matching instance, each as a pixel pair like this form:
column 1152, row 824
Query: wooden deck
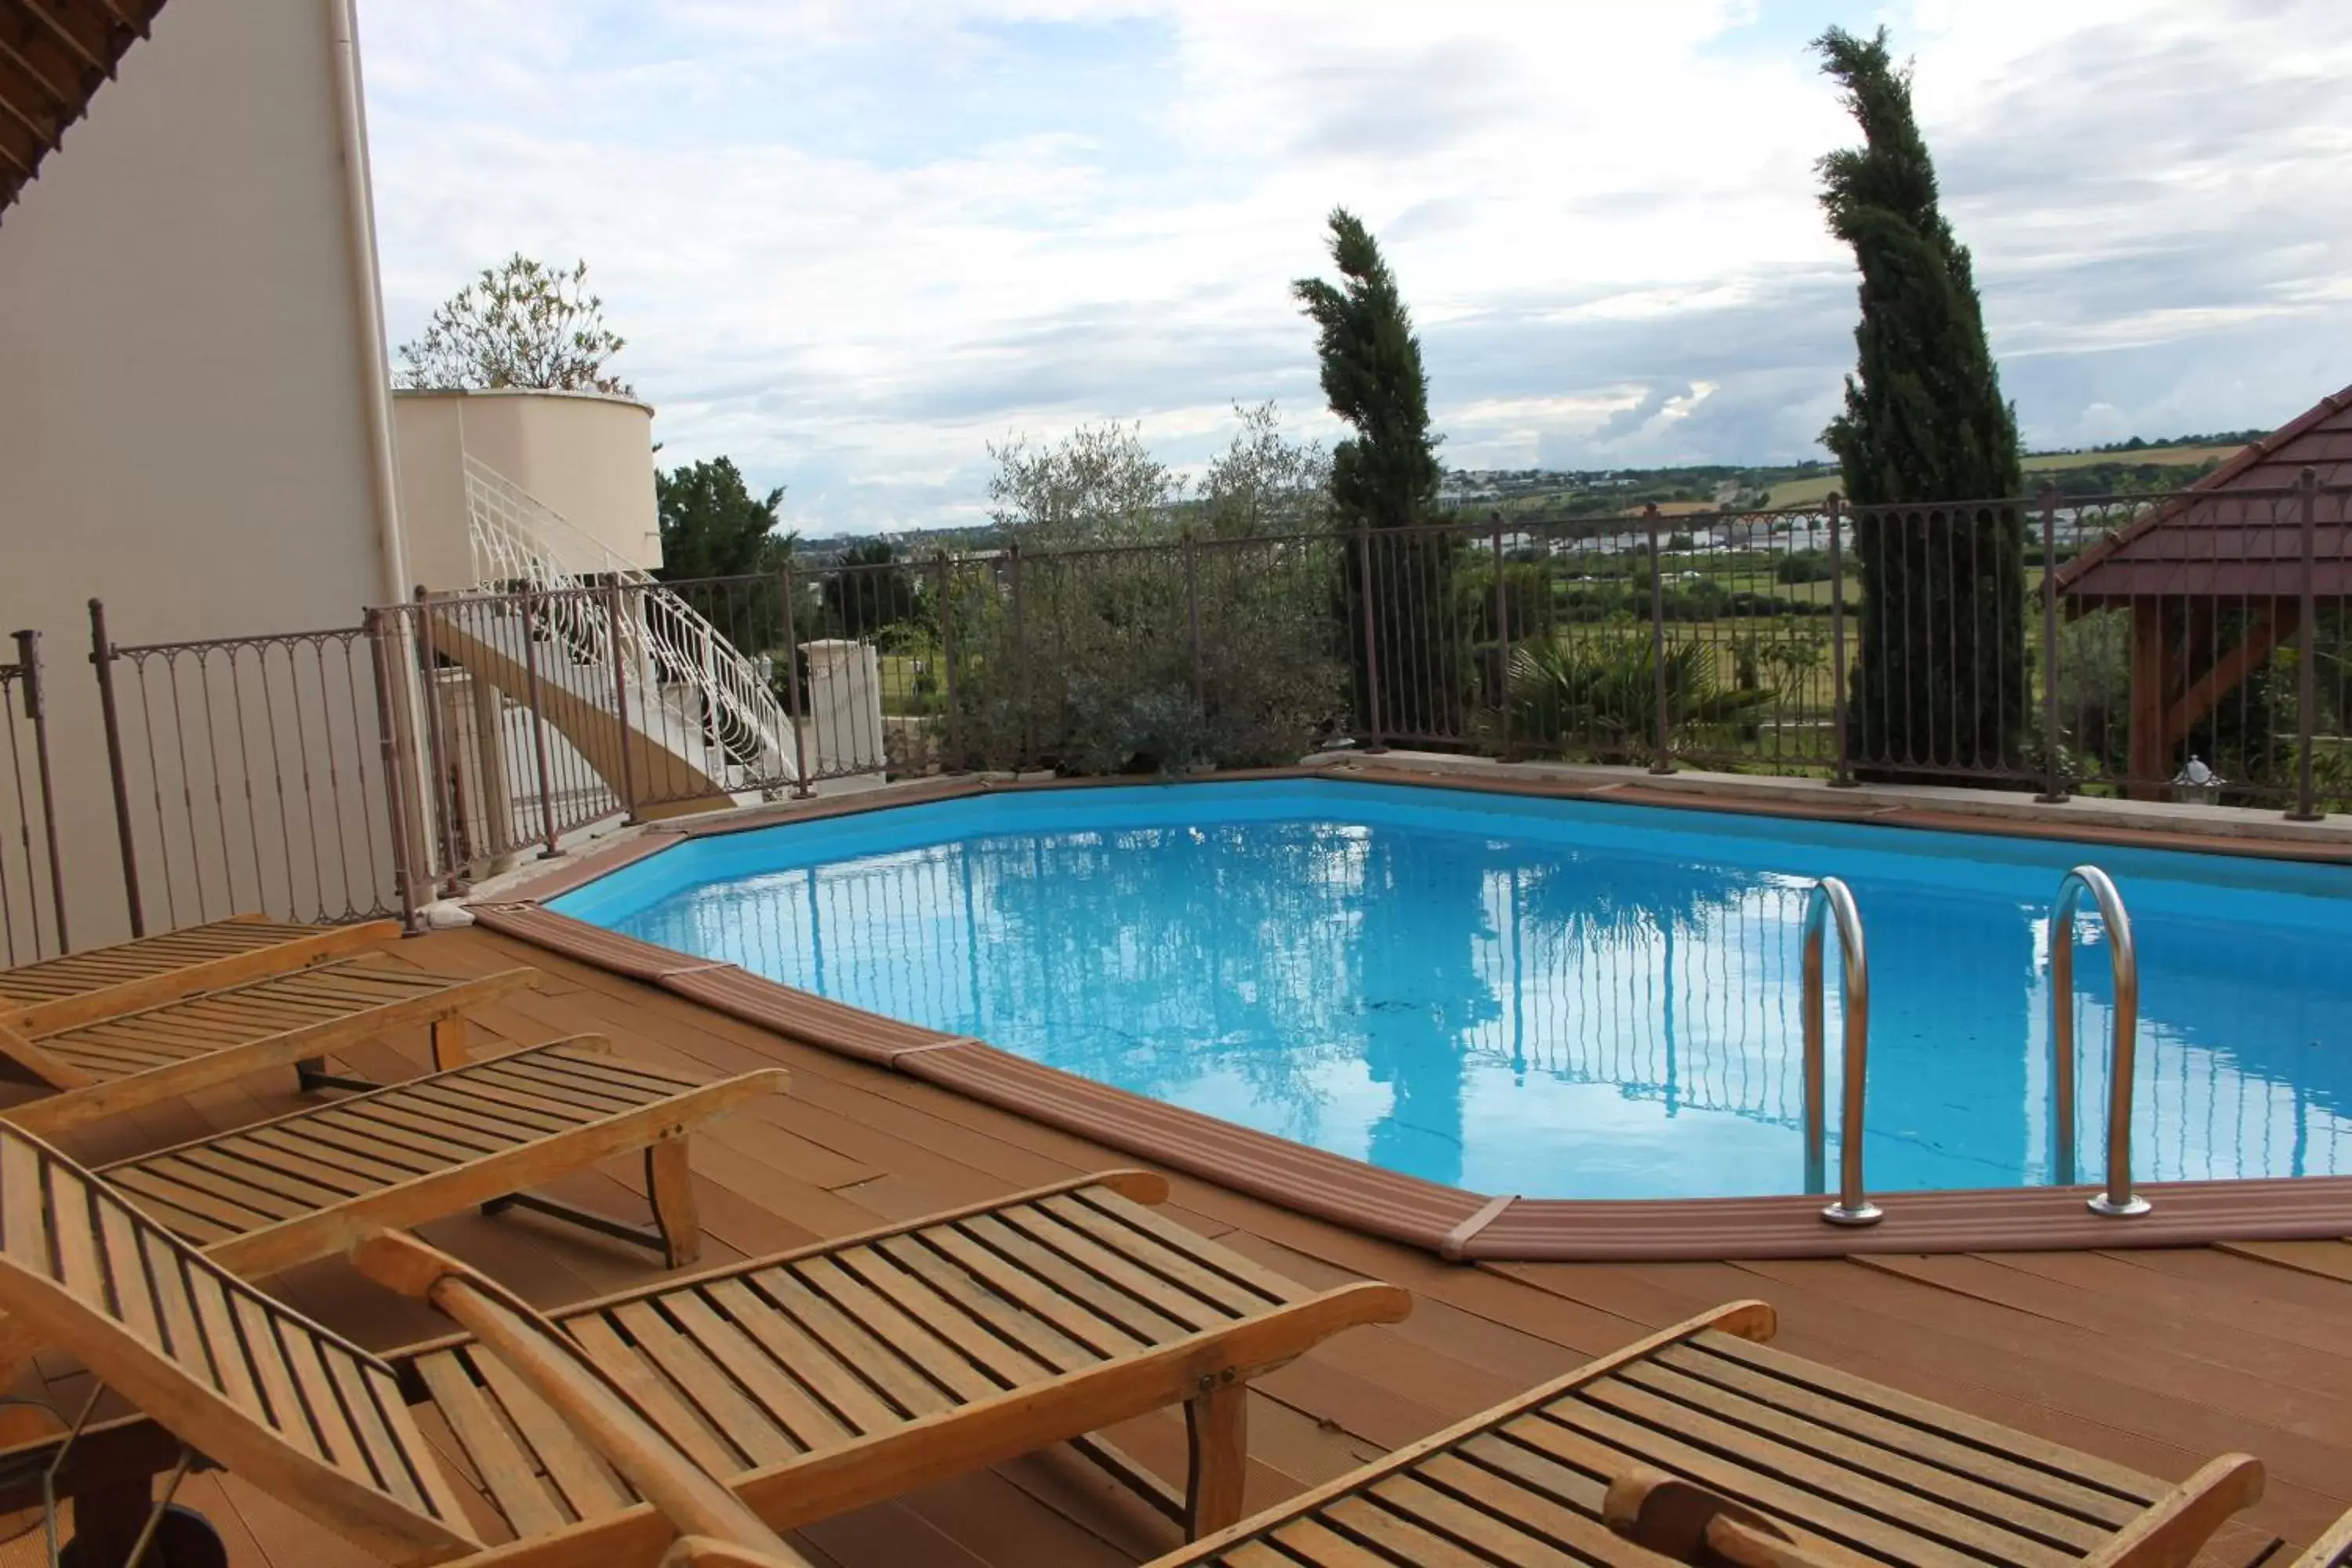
column 2153, row 1359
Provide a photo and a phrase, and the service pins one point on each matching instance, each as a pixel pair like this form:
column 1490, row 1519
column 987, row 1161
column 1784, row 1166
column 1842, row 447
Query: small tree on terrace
column 1383, row 478
column 521, row 323
column 1941, row 675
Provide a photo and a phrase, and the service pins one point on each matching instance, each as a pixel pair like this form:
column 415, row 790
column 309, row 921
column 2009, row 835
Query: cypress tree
column 1940, row 676
column 1384, row 479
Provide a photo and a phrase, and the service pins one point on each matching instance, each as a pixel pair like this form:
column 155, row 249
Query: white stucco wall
column 588, row 457
column 185, row 408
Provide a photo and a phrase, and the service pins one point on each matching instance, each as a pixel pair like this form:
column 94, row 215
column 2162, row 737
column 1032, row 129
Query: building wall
column 185, row 410
column 589, row 458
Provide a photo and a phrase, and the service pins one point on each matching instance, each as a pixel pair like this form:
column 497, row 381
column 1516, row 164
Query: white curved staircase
column 703, row 726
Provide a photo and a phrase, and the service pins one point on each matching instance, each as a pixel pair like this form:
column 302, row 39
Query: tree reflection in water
column 1543, row 1015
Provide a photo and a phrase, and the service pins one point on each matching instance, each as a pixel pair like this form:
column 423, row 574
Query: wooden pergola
column 2214, row 578
column 54, row 54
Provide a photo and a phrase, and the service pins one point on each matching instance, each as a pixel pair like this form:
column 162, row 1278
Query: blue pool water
column 1555, row 998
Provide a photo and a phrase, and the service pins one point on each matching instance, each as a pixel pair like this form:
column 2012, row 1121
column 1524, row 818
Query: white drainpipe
column 367, row 298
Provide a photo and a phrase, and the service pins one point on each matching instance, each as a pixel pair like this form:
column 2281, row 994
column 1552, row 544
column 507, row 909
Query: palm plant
column 1601, row 696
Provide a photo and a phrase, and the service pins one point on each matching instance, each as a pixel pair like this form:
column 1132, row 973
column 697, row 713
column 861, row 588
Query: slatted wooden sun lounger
column 2332, row 1550
column 845, row 1373
column 283, row 1192
column 1833, row 1471
column 814, row 1380
column 159, row 1053
column 80, row 987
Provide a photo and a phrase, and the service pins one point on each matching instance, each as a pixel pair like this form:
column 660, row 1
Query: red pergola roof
column 54, row 54
column 2237, row 533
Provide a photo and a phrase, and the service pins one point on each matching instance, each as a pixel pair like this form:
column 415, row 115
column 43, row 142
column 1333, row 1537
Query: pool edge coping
column 1455, row 1224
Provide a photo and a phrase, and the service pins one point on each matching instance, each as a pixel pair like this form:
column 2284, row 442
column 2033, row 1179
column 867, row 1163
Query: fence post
column 395, row 792
column 443, row 796
column 801, row 788
column 1193, row 620
column 1372, row 641
column 2054, row 778
column 102, row 658
column 538, row 730
column 1841, row 766
column 2306, row 805
column 1662, row 760
column 1020, row 657
column 37, row 709
column 613, row 610
column 1502, row 641
column 951, row 758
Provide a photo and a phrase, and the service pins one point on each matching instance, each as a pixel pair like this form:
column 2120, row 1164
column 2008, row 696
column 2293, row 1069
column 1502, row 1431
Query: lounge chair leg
column 449, row 1044
column 1216, row 1431
column 310, row 1073
column 670, row 1187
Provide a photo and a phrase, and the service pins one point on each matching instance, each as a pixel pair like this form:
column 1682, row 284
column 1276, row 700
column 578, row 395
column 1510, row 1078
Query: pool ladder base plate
column 1867, row 1213
column 2135, row 1205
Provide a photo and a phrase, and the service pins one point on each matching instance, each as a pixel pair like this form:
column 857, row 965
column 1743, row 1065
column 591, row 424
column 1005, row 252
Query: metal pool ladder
column 1831, row 897
column 2123, row 959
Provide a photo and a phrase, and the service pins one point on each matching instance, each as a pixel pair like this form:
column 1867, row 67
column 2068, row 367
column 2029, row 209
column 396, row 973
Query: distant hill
column 1528, row 495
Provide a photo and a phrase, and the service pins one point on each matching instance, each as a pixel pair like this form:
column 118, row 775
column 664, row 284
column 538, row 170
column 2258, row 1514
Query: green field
column 1815, row 490
column 2147, row 456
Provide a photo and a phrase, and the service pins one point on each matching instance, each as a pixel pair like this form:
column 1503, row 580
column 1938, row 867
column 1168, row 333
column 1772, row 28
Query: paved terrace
column 2153, row 1359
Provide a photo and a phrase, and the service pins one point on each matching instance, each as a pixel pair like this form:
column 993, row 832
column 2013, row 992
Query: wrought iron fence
column 32, row 875
column 249, row 773
column 2193, row 647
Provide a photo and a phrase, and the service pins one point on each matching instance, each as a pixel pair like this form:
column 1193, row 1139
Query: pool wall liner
column 1446, row 1221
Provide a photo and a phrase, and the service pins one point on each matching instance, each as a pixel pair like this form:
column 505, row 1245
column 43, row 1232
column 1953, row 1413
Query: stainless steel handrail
column 2123, row 961
column 1830, row 898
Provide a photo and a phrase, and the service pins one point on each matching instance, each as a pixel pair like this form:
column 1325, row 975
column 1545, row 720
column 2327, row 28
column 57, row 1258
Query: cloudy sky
column 851, row 243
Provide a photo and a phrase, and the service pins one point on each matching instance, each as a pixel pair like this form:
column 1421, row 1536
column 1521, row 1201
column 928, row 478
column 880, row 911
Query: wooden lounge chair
column 80, row 987
column 1699, row 1444
column 265, row 1197
column 2332, row 1550
column 152, row 1054
column 838, row 1374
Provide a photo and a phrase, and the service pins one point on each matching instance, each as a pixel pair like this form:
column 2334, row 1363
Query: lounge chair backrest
column 288, row 1405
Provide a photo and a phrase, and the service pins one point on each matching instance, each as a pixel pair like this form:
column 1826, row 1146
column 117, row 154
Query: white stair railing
column 520, row 541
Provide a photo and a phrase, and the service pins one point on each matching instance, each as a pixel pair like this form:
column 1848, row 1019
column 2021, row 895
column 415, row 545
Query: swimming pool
column 1558, row 998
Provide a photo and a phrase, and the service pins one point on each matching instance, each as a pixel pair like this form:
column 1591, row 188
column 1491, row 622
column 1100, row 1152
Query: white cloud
column 850, row 245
